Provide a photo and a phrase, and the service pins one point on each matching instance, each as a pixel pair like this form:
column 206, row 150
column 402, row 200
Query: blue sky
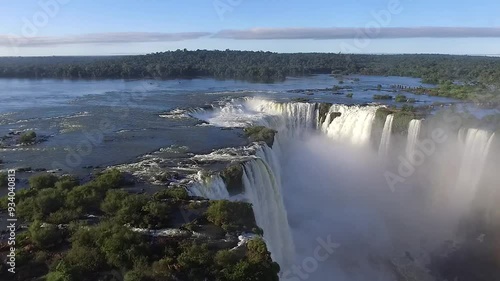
column 104, row 27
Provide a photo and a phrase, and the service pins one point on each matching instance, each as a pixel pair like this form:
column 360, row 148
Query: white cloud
column 351, row 33
column 99, row 38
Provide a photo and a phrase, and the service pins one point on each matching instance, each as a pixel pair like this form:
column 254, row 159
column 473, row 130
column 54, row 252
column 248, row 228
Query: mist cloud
column 99, row 38
column 351, row 33
column 253, row 34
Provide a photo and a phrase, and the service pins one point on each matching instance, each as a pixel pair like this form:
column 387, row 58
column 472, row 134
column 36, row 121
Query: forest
column 97, row 231
column 254, row 66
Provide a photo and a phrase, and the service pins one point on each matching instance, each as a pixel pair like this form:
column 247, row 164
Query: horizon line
column 255, row 51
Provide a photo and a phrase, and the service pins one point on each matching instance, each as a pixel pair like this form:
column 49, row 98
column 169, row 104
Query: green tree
column 42, row 205
column 63, row 216
column 138, row 274
column 157, row 214
column 132, row 211
column 122, row 247
column 231, row 215
column 44, row 237
column 42, row 181
column 60, row 273
column 172, row 192
column 58, row 276
column 114, row 201
column 4, row 180
column 27, row 137
column 111, row 179
column 84, row 260
column 85, row 198
column 195, row 261
column 67, row 182
column 164, row 269
column 401, row 98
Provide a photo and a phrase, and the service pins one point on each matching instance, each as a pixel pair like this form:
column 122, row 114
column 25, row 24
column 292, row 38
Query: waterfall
column 211, row 187
column 291, row 119
column 354, row 125
column 413, row 134
column 475, row 153
column 263, row 188
column 386, row 136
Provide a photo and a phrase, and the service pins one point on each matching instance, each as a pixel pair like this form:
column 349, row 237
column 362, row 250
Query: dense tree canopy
column 257, row 66
column 88, row 232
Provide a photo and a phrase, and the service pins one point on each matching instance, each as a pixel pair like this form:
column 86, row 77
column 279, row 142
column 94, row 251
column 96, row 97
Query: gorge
column 326, row 177
column 341, row 185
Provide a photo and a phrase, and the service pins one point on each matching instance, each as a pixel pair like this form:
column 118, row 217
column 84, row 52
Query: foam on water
column 354, row 125
column 211, row 187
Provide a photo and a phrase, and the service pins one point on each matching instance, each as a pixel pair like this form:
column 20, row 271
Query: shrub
column 44, row 237
column 157, row 214
column 139, row 211
column 85, row 198
column 173, row 192
column 233, row 178
column 382, row 97
column 122, row 247
column 401, row 122
column 48, row 201
column 163, row 269
column 401, row 98
column 40, row 206
column 41, row 257
column 42, row 181
column 58, row 276
column 59, row 273
column 223, row 258
column 63, row 216
column 111, row 179
column 4, row 180
column 231, row 216
column 408, row 108
column 67, row 182
column 138, row 274
column 255, row 264
column 85, row 237
column 114, row 201
column 303, row 100
column 195, row 260
column 260, row 259
column 260, row 133
column 84, row 260
column 132, row 210
column 27, row 137
column 381, row 116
